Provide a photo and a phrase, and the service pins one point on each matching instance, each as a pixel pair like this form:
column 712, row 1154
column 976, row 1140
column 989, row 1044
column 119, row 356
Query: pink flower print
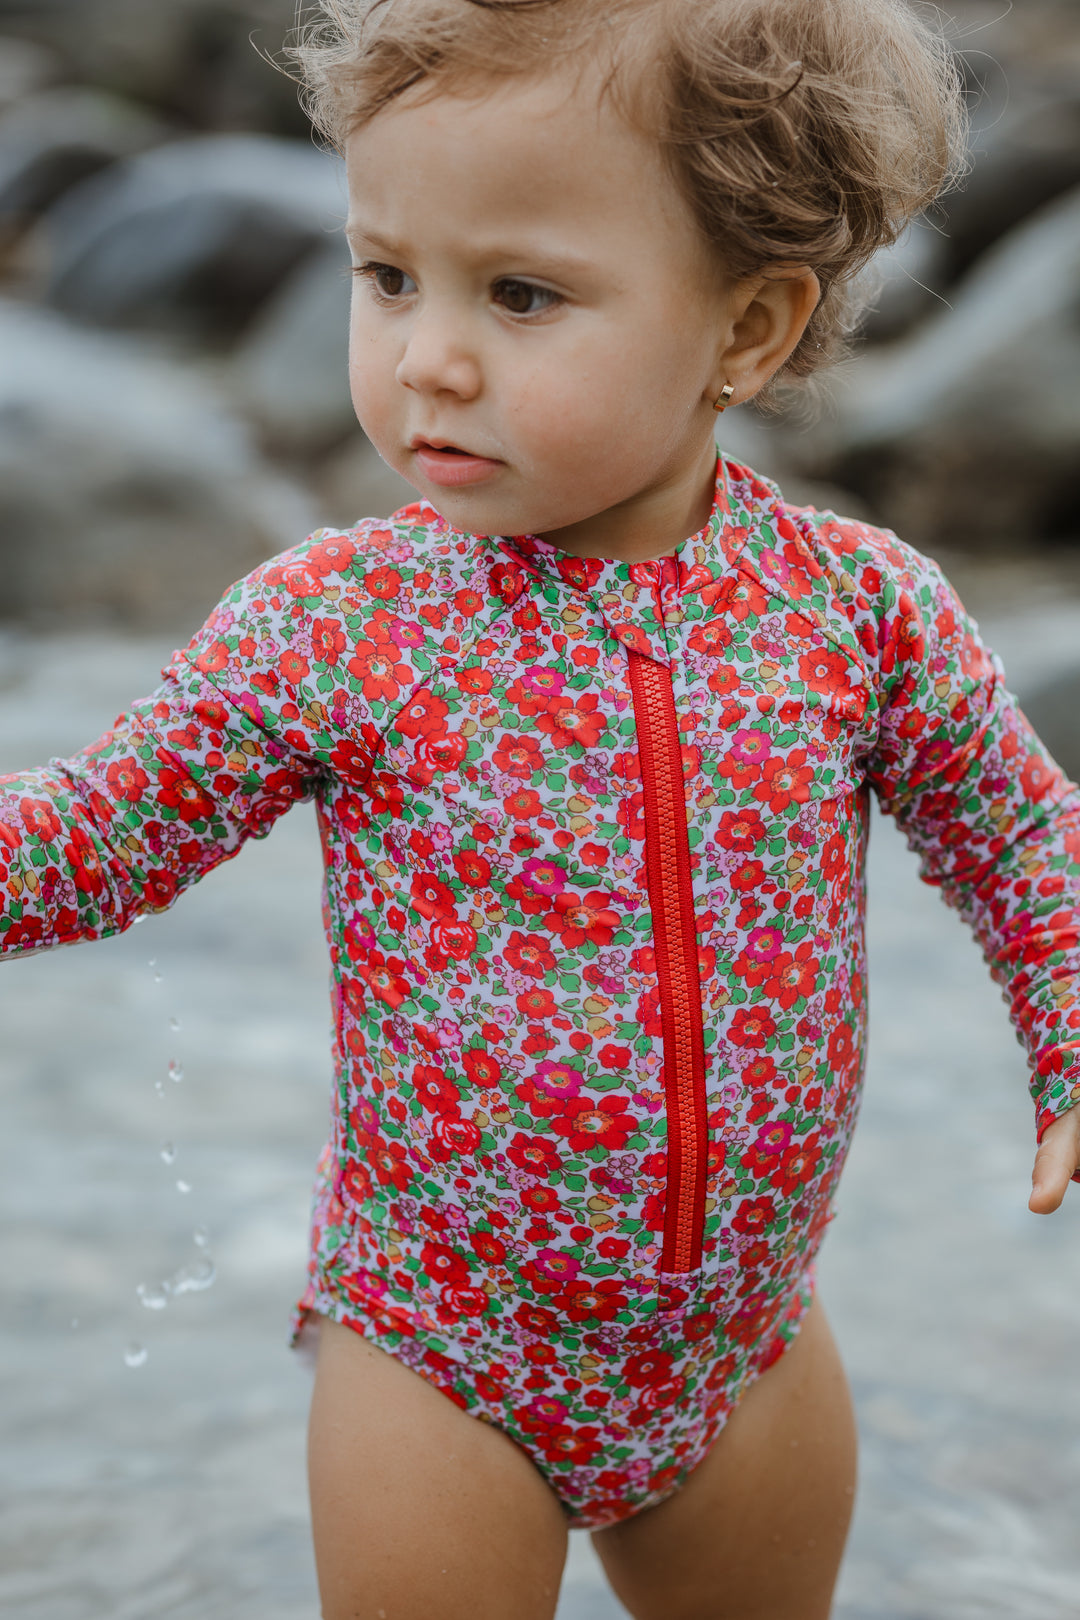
column 546, row 1409
column 543, row 876
column 551, row 1269
column 551, row 1087
column 749, row 747
column 764, row 944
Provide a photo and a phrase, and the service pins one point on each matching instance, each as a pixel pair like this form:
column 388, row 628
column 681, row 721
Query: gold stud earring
column 724, row 399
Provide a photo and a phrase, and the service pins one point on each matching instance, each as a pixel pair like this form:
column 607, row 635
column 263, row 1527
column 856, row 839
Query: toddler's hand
column 1058, row 1157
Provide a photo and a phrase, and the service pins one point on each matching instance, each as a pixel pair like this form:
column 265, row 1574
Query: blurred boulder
column 128, row 493
column 292, row 372
column 51, row 141
column 965, row 433
column 194, row 236
column 905, row 281
column 24, row 68
column 356, row 483
column 200, row 61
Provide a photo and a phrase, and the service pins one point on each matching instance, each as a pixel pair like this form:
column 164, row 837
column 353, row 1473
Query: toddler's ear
column 766, row 315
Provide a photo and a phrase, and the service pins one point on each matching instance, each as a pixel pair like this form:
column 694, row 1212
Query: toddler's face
column 532, row 292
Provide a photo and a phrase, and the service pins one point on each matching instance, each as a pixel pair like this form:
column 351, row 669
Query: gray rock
column 906, row 281
column 51, row 141
column 355, row 483
column 24, row 68
column 966, row 432
column 291, row 373
column 194, row 235
column 128, row 492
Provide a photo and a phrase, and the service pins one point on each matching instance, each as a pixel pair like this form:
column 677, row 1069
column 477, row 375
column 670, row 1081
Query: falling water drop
column 183, row 1186
column 201, row 1237
column 176, row 1070
column 141, row 918
column 154, row 969
column 174, row 1025
column 168, row 1153
column 194, row 1277
column 153, row 1296
column 159, row 1087
column 136, row 1355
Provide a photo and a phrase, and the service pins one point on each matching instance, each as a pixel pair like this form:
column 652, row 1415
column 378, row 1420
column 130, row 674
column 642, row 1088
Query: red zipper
column 671, row 896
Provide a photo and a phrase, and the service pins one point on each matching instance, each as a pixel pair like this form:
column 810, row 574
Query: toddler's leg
column 421, row 1512
column 758, row 1531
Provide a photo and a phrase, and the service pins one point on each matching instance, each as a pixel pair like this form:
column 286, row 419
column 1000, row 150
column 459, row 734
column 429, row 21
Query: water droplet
column 183, row 1186
column 168, row 1153
column 159, row 1087
column 174, row 1025
column 201, row 1237
column 194, row 1277
column 141, row 918
column 154, row 969
column 154, row 1296
column 136, row 1355
column 176, row 1070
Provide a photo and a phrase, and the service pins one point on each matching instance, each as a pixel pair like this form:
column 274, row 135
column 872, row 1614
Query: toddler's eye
column 524, row 297
column 386, row 279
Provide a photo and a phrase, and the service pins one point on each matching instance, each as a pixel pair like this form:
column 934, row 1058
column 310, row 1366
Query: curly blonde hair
column 799, row 132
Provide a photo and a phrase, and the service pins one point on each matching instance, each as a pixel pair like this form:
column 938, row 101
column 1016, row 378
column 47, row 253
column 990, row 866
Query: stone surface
column 292, row 371
column 176, row 1488
column 966, row 431
column 194, row 235
column 128, row 492
column 51, row 141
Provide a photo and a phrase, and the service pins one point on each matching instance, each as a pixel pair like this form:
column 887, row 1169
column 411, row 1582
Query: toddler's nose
column 437, row 360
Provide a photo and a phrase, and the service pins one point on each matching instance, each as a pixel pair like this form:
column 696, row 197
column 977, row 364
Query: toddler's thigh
column 418, row 1509
column 758, row 1530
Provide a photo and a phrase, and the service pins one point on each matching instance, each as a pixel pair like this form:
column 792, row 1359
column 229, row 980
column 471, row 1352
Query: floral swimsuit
column 594, row 841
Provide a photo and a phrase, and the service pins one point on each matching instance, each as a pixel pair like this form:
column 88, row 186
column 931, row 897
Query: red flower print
column 518, row 756
column 443, row 1264
column 472, row 868
column 1038, row 777
column 841, row 1047
column 386, row 976
column 772, row 1140
column 785, row 781
column 463, row 1301
column 535, row 1154
column 375, row 665
column 600, row 1301
column 332, row 555
column 647, row 1367
column 614, row 1057
column 752, row 1026
column 177, row 790
column 541, row 1199
column 490, row 1249
column 41, row 821
column 442, row 753
column 85, row 862
column 475, row 680
column 550, row 1269
column 580, row 918
column 482, row 1069
column 523, row 803
column 580, row 721
column 126, row 779
column 214, row 659
column 564, row 1444
column 435, row 1092
column 754, row 1215
column 796, row 1165
column 294, row 667
column 423, row 714
column 383, row 583
column 712, row 638
column 532, row 692
column 825, row 669
column 536, row 1003
column 452, row 1135
column 550, row 1087
column 741, row 830
column 791, row 976
column 430, row 896
column 327, row 641
column 528, row 953
column 387, row 1160
column 604, row 1123
column 454, row 937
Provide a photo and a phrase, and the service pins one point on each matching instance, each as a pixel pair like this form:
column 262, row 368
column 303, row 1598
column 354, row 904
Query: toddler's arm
column 180, row 782
column 995, row 822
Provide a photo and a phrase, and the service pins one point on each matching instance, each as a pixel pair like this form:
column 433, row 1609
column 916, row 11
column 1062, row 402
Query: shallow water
column 175, row 1488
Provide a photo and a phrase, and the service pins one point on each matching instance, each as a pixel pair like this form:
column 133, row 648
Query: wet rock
column 292, row 372
column 965, row 433
column 907, row 280
column 51, row 141
column 129, row 494
column 194, row 236
column 355, row 483
column 24, row 68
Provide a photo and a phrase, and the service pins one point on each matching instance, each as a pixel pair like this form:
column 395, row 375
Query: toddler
column 591, row 730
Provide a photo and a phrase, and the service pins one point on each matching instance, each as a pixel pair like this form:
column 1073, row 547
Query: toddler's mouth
column 449, row 464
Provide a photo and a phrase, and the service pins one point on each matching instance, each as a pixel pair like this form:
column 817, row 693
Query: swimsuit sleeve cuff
column 1059, row 1093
